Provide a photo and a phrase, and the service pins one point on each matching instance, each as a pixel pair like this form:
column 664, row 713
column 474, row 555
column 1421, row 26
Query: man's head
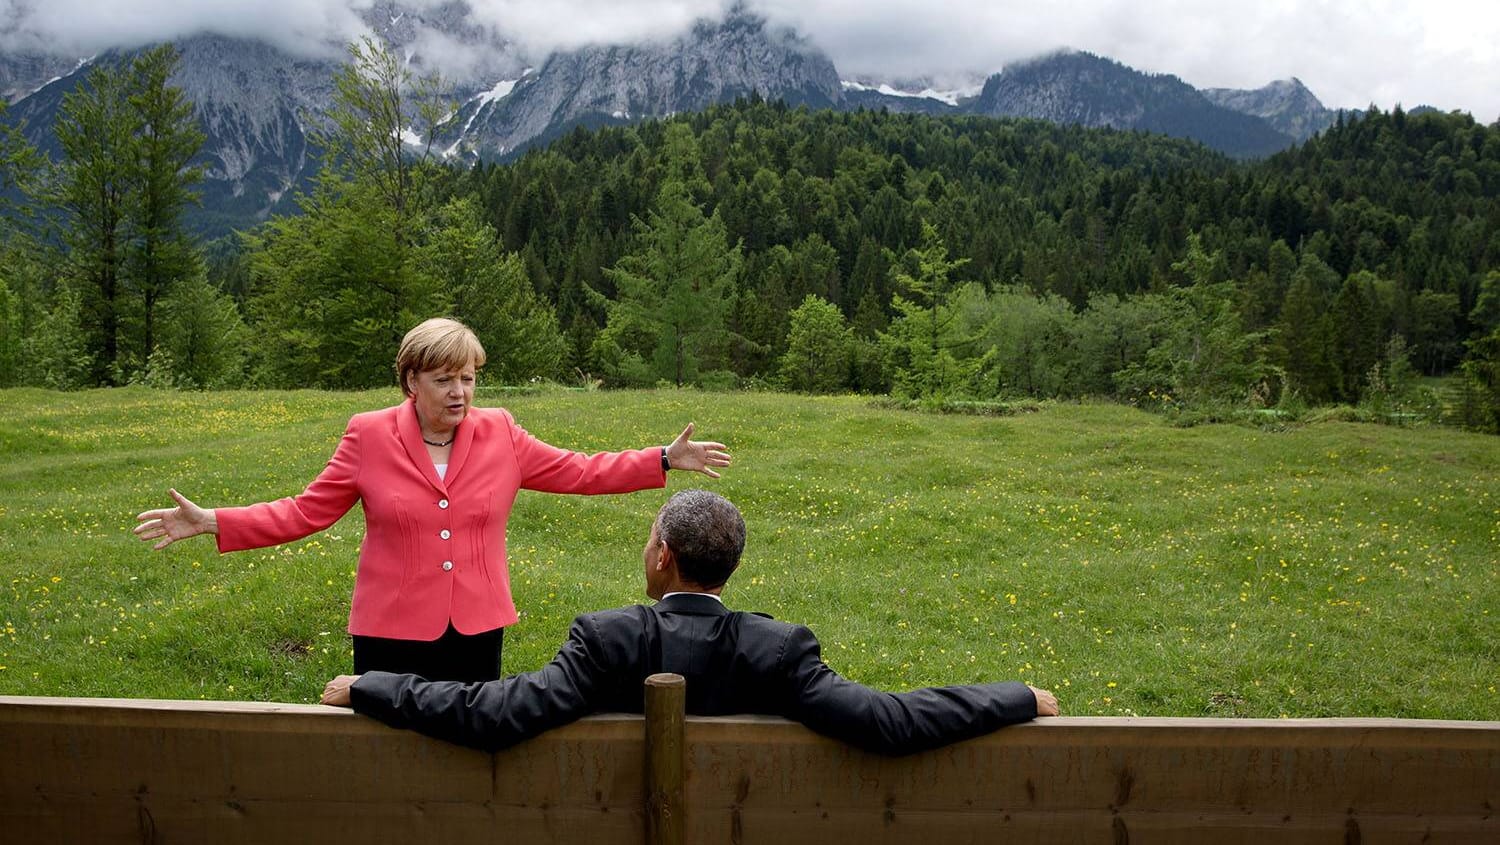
column 695, row 544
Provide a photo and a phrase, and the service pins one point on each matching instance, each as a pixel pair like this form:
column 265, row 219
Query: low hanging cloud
column 1441, row 52
column 78, row 28
column 1444, row 53
column 544, row 26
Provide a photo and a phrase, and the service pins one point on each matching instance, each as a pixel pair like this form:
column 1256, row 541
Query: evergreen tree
column 377, row 101
column 1486, row 314
column 96, row 129
column 819, row 343
column 1480, row 386
column 10, row 336
column 676, row 288
column 160, row 254
column 57, row 353
column 1435, row 333
column 1205, row 357
column 1302, row 332
column 921, row 338
column 814, row 270
column 21, row 167
column 492, row 296
column 203, row 338
column 1356, row 333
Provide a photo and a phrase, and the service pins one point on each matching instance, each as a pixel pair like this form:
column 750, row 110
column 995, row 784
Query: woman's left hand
column 696, row 456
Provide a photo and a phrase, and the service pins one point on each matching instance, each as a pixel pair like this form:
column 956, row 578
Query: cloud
column 543, row 26
column 1444, row 53
column 86, row 27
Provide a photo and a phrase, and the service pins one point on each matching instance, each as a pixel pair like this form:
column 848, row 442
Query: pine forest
column 950, row 262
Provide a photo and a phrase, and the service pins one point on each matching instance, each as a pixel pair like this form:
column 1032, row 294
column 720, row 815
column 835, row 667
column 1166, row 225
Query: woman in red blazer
column 436, row 478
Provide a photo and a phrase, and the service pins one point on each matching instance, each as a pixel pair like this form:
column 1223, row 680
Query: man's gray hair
column 706, row 533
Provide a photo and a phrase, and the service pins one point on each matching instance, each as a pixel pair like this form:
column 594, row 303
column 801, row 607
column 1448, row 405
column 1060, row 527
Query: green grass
column 1337, row 569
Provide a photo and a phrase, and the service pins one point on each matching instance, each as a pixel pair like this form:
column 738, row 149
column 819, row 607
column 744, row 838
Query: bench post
column 666, row 702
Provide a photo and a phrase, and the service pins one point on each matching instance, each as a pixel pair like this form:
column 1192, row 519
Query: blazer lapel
column 410, row 431
column 463, row 440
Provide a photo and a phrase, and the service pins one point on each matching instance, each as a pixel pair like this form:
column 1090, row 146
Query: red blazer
column 434, row 548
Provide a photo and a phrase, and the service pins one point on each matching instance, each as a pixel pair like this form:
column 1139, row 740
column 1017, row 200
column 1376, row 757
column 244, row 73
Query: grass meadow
column 1336, row 569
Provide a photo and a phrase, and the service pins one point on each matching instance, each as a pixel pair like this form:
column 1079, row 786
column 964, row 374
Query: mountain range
column 255, row 101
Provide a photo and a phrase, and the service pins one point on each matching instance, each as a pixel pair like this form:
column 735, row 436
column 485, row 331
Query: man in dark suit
column 734, row 662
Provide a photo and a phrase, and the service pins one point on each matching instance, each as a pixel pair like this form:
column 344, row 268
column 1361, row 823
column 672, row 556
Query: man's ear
column 667, row 558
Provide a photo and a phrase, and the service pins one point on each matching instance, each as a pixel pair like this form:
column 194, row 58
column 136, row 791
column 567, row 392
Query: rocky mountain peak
column 1286, row 104
column 1089, row 90
column 714, row 62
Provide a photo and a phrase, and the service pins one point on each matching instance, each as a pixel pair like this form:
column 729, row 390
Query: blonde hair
column 437, row 344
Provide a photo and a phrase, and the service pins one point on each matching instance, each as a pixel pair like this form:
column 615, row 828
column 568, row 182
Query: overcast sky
column 1444, row 53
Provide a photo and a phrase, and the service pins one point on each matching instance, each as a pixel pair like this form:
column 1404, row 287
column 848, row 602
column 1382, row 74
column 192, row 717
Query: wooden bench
column 140, row 771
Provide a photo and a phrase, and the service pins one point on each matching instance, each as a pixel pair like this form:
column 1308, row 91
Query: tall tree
column 381, row 129
column 923, row 336
column 1303, row 333
column 1435, row 331
column 10, row 335
column 333, row 292
column 20, row 167
column 492, row 295
column 96, row 130
column 336, row 288
column 676, row 288
column 1357, row 334
column 203, row 340
column 160, row 254
column 1480, row 386
column 817, row 348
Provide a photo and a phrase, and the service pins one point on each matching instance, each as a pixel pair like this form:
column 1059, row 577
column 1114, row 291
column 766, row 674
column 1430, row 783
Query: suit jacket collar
column 409, row 429
column 692, row 603
column 463, row 439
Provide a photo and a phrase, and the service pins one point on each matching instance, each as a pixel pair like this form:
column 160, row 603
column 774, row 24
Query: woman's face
column 443, row 397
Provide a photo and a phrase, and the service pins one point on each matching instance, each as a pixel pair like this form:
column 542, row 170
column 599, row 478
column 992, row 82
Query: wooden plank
column 133, row 771
column 168, row 820
column 1387, row 766
column 821, row 826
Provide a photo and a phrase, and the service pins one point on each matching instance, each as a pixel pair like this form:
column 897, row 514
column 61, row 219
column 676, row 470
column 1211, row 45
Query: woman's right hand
column 173, row 524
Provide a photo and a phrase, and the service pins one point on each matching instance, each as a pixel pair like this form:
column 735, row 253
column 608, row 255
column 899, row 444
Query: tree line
column 752, row 244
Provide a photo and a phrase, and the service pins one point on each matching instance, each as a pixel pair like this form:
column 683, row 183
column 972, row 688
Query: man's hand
column 1046, row 702
column 336, row 692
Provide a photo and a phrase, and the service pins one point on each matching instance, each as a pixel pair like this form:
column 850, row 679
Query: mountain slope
column 254, row 101
column 1285, row 104
column 713, row 63
column 1084, row 89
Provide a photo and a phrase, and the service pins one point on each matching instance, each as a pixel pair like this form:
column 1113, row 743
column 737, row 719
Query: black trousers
column 451, row 657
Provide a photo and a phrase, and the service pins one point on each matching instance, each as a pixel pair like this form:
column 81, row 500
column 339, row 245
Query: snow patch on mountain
column 951, row 96
column 501, row 90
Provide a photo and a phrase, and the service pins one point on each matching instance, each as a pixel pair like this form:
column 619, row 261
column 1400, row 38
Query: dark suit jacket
column 734, row 663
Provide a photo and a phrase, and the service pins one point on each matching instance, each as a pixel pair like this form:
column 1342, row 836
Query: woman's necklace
column 447, row 442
